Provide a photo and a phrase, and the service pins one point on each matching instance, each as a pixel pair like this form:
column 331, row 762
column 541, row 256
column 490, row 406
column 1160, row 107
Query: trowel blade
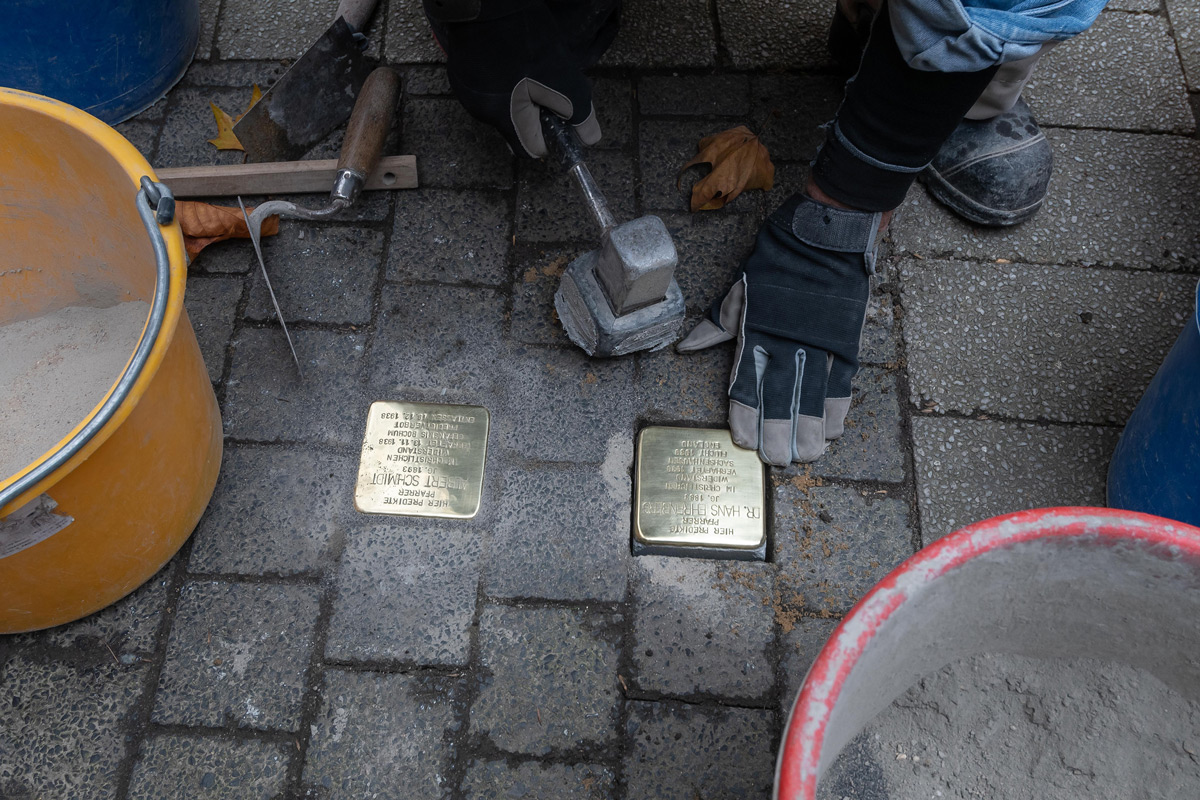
column 312, row 98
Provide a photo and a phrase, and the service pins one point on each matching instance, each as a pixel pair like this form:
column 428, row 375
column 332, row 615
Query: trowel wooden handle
column 368, row 127
column 356, row 12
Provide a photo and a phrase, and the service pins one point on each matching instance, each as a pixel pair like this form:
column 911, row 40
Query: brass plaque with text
column 696, row 488
column 422, row 460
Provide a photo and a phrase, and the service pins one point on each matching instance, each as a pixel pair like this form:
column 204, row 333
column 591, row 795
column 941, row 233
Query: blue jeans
column 970, row 35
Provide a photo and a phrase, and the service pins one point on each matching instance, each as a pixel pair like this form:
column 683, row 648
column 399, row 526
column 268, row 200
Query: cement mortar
column 995, row 726
column 55, row 369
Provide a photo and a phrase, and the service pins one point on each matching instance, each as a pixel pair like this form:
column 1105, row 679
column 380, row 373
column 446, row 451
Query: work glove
column 797, row 310
column 508, row 59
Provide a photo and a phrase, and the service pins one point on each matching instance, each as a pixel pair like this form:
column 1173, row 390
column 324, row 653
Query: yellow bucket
column 98, row 514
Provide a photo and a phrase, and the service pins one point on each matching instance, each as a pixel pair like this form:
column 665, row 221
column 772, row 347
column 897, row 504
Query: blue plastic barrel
column 1156, row 466
column 111, row 58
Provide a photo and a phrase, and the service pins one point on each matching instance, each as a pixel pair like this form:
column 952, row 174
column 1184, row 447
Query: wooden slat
column 281, row 177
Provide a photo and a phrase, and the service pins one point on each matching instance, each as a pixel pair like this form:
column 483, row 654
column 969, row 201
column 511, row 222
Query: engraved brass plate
column 422, row 460
column 694, row 487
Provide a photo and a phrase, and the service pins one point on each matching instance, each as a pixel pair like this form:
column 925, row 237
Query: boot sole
column 972, row 210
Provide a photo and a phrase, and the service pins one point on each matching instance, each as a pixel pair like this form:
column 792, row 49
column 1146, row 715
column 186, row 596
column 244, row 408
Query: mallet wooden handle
column 368, row 127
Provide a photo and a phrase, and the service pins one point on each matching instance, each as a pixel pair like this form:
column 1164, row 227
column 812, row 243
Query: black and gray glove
column 508, row 59
column 797, row 311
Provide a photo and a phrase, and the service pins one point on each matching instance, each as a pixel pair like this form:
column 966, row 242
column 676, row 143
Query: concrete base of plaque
column 698, row 495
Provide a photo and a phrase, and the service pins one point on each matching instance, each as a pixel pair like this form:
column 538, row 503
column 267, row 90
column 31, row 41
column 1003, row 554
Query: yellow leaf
column 255, row 96
column 226, row 140
column 739, row 161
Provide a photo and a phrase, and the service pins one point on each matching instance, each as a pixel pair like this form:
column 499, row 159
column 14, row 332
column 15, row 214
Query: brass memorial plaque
column 422, row 460
column 696, row 489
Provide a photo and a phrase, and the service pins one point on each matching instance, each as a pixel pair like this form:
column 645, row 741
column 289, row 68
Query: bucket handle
column 156, row 206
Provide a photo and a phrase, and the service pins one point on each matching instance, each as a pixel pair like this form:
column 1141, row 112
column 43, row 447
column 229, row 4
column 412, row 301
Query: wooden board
column 281, row 177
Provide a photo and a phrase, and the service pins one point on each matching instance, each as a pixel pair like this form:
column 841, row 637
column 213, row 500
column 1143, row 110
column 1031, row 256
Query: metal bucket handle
column 156, row 206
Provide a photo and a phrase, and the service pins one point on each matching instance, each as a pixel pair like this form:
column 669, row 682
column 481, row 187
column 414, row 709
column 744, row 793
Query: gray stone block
column 449, row 237
column 833, row 543
column 1115, row 198
column 551, row 208
column 664, row 33
column 275, row 512
column 552, row 679
column 237, row 656
column 613, row 100
column 880, row 332
column 319, row 273
column 235, row 74
column 711, row 249
column 694, row 95
column 702, row 628
column 266, row 401
column 540, row 272
column 142, row 135
column 212, row 307
column 1185, row 21
column 665, row 147
column 680, row 752
column 762, row 33
column 426, row 81
column 562, row 535
column 1060, row 343
column 801, row 642
column 380, row 735
column 452, row 148
column 872, row 446
column 592, row 402
column 409, row 38
column 789, row 111
column 187, row 767
column 1122, row 73
column 60, row 727
column 230, row 257
column 406, row 592
column 190, row 124
column 208, row 28
column 280, row 29
column 497, row 780
column 691, row 388
column 970, row 470
column 443, row 339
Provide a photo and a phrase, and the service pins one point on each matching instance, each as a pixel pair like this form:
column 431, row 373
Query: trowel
column 315, row 95
column 369, row 124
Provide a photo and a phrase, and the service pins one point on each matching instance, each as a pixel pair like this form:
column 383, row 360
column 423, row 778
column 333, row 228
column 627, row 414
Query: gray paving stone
column 665, row 147
column 280, row 28
column 711, row 247
column 694, row 95
column 1133, row 5
column 266, row 401
column 562, row 535
column 426, row 80
column 833, row 543
column 802, row 640
column 440, row 338
column 1060, row 343
column 212, row 307
column 406, row 592
column 534, row 318
column 319, row 273
column 208, row 28
column 762, row 33
column 237, row 74
column 275, row 512
column 664, row 33
column 230, row 257
column 1185, row 22
column 552, row 679
column 409, row 39
column 872, row 446
column 970, row 470
column 789, row 111
column 613, row 100
column 1122, row 73
column 692, row 388
column 61, row 727
column 237, row 656
column 497, row 780
column 880, row 331
column 380, row 735
column 700, row 627
column 142, row 135
column 192, row 767
column 593, row 401
column 190, row 124
column 1115, row 198
column 452, row 148
column 682, row 752
column 550, row 206
column 449, row 237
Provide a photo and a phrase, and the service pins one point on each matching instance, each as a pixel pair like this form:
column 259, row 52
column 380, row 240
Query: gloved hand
column 797, row 310
column 507, row 59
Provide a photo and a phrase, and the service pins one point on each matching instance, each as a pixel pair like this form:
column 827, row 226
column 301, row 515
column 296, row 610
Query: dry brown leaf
column 226, row 139
column 739, row 161
column 204, row 224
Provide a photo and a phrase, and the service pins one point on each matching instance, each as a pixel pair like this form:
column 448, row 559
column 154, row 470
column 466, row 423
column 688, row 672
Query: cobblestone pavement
column 297, row 648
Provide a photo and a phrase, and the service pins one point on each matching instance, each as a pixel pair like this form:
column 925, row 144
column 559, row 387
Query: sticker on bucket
column 31, row 523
